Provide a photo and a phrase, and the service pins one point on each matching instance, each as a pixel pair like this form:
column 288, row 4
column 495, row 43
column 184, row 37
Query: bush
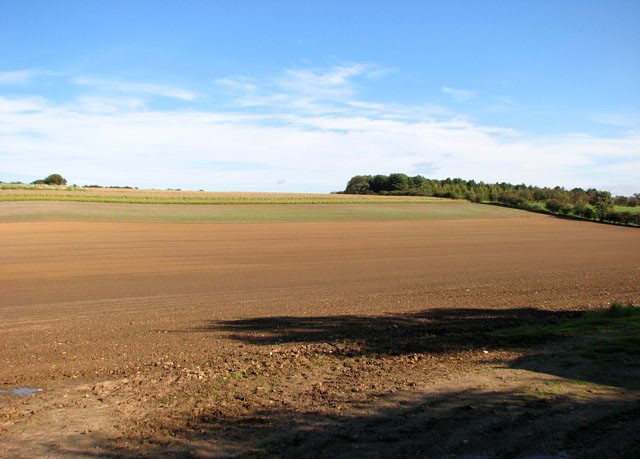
column 53, row 179
column 627, row 218
column 566, row 209
column 602, row 202
column 613, row 217
column 553, row 205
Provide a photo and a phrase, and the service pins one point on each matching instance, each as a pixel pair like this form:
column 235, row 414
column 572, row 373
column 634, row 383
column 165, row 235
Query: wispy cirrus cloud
column 310, row 90
column 16, row 77
column 459, row 95
column 628, row 120
column 333, row 83
column 107, row 105
column 239, row 85
column 137, row 88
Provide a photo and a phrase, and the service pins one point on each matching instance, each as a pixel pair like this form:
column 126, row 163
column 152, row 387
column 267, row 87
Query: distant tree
column 588, row 212
column 622, row 201
column 379, row 183
column 602, row 202
column 398, row 182
column 554, row 205
column 566, row 209
column 53, row 179
column 358, row 185
column 590, row 204
column 418, row 181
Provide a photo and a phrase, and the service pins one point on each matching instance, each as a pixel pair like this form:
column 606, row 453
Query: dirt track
column 253, row 339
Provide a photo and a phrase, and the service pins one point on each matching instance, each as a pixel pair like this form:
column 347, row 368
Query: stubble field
column 311, row 338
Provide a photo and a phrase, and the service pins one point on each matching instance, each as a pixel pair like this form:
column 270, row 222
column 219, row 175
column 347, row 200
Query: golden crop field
column 137, row 196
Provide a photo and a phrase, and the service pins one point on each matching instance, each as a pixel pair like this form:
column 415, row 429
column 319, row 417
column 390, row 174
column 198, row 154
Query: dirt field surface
column 347, row 339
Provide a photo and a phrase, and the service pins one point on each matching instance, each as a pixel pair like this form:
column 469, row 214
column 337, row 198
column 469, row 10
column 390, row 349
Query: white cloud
column 303, row 90
column 17, row 105
column 310, row 133
column 15, row 77
column 628, row 120
column 459, row 95
column 239, row 85
column 137, row 88
column 107, row 105
column 321, row 83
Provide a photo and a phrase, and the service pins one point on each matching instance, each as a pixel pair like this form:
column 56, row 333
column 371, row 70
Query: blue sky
column 300, row 96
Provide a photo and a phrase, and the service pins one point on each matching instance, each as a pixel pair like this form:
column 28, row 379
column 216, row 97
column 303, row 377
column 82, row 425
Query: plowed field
column 370, row 339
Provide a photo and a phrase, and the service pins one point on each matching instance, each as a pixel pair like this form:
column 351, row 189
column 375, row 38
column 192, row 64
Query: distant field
column 133, row 196
column 131, row 205
column 24, row 211
column 633, row 210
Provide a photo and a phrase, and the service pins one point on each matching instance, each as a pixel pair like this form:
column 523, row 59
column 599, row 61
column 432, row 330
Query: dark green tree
column 379, row 183
column 602, row 202
column 398, row 182
column 418, row 181
column 553, row 205
column 358, row 184
column 53, row 179
column 590, row 203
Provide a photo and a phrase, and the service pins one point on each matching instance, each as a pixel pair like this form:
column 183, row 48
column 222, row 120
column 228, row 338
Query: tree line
column 589, row 204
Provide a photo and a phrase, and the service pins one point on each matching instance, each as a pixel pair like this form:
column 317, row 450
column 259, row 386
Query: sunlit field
column 135, row 196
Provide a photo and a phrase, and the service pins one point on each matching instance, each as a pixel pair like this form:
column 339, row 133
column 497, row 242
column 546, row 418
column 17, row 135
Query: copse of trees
column 53, row 179
column 588, row 204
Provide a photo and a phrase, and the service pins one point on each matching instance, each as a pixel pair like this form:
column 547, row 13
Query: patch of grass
column 615, row 329
column 623, row 344
column 551, row 388
column 633, row 210
column 615, row 317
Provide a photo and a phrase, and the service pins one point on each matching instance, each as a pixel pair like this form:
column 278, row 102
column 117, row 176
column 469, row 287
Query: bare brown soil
column 312, row 339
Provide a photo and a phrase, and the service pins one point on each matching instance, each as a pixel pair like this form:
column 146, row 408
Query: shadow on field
column 429, row 331
column 551, row 420
column 468, row 424
column 571, row 361
column 441, row 331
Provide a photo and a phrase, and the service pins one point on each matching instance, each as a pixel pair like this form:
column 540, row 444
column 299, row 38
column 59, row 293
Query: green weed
column 234, row 375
